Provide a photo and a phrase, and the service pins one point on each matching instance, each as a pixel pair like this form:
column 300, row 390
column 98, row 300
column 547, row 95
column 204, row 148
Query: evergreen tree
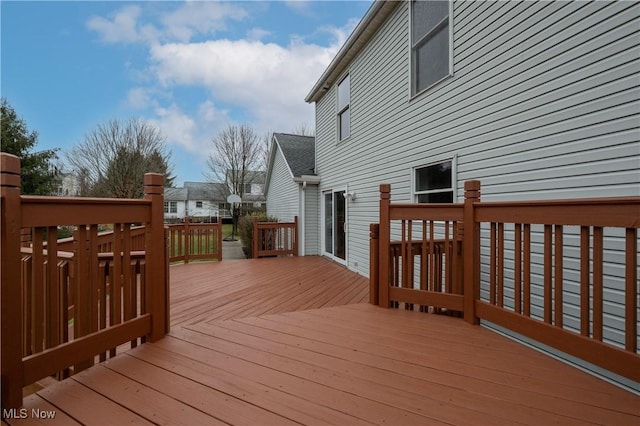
column 39, row 176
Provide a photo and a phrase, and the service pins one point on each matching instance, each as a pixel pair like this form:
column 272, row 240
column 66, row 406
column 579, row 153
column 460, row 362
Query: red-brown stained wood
column 558, row 296
column 631, row 290
column 584, row 281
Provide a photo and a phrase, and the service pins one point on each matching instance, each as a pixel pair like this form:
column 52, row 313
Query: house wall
column 181, row 209
column 312, row 220
column 209, row 208
column 543, row 104
column 282, row 200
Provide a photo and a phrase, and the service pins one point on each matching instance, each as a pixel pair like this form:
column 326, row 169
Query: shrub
column 245, row 229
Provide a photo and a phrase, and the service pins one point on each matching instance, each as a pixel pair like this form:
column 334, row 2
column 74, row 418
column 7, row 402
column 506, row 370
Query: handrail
column 275, row 238
column 113, row 292
column 507, row 263
column 194, row 241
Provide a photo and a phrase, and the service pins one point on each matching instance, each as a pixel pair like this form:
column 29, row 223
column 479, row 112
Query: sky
column 190, row 68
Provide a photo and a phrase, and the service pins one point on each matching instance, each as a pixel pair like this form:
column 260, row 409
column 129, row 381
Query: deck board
column 269, row 342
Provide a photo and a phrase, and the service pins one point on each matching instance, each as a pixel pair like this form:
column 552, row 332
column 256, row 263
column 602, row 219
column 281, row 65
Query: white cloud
column 140, row 98
column 190, row 19
column 257, row 34
column 200, row 17
column 267, row 80
column 177, row 127
column 123, row 27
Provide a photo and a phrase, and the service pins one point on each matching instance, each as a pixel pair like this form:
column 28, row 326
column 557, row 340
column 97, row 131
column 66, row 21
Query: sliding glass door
column 334, row 224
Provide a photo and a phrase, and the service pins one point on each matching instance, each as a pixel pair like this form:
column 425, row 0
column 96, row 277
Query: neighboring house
column 202, row 201
column 537, row 100
column 291, row 187
column 68, row 185
column 175, row 204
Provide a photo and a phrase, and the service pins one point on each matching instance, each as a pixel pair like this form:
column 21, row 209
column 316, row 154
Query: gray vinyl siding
column 312, row 220
column 544, row 103
column 282, row 199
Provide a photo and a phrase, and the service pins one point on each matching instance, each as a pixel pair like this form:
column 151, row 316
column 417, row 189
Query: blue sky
column 191, row 68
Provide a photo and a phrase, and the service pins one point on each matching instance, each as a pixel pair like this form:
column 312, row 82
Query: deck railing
column 561, row 272
column 275, row 238
column 115, row 297
column 194, row 241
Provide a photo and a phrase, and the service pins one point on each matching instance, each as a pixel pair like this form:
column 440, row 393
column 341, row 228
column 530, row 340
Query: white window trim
column 419, row 94
column 340, row 111
column 454, row 177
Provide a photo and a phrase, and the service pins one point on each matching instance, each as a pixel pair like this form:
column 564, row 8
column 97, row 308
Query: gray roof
column 206, row 191
column 175, row 194
column 299, row 152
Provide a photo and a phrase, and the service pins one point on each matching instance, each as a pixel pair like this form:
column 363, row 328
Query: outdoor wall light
column 350, row 195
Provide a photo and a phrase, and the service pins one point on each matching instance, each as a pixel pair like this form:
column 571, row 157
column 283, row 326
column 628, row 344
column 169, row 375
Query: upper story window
column 434, row 183
column 431, row 49
column 198, row 204
column 247, row 188
column 171, row 207
column 344, row 112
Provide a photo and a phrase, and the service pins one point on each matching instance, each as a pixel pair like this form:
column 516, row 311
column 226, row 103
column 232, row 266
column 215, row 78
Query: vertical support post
column 187, row 240
column 471, row 245
column 219, row 242
column 10, row 283
column 385, row 240
column 256, row 235
column 374, row 263
column 157, row 289
column 295, row 236
column 25, row 237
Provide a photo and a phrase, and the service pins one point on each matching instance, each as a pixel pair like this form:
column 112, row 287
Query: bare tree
column 304, row 130
column 236, row 154
column 113, row 158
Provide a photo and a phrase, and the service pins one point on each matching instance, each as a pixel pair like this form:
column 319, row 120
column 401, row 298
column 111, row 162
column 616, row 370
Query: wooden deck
column 239, row 354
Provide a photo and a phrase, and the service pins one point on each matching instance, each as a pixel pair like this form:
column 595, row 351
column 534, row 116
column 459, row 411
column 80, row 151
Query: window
column 344, row 113
column 247, row 188
column 173, row 207
column 430, row 43
column 434, row 183
column 198, row 204
column 166, row 207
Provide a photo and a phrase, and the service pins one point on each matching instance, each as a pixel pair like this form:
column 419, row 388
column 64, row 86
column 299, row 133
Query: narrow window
column 173, row 207
column 344, row 112
column 434, row 183
column 430, row 43
column 247, row 188
column 166, row 207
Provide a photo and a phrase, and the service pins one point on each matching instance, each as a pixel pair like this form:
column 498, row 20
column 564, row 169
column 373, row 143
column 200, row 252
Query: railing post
column 219, row 242
column 187, row 239
column 157, row 289
column 295, row 236
column 384, row 238
column 256, row 234
column 10, row 283
column 471, row 246
column 374, row 263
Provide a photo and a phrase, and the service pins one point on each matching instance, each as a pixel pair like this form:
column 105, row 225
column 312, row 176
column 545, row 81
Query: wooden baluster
column 500, row 266
column 53, row 289
column 597, row 282
column 631, row 290
column 492, row 264
column 558, row 284
column 38, row 292
column 517, row 277
column 547, row 291
column 584, row 281
column 526, row 271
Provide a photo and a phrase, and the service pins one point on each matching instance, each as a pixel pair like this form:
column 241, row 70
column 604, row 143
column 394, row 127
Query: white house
column 291, row 186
